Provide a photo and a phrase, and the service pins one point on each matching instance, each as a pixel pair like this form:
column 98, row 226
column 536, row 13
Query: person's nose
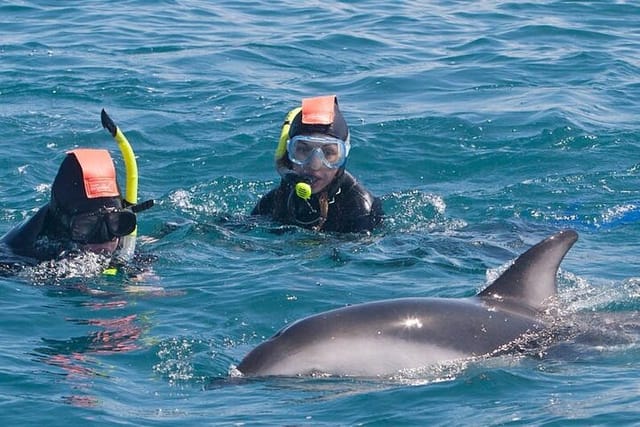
column 315, row 162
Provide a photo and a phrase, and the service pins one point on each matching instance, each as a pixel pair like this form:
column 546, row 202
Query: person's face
column 99, row 230
column 318, row 157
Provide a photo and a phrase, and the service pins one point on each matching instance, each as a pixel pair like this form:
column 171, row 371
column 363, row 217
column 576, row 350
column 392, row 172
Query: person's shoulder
column 363, row 209
column 23, row 235
column 353, row 189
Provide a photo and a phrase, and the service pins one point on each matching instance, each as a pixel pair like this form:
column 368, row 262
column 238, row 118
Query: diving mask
column 101, row 226
column 332, row 152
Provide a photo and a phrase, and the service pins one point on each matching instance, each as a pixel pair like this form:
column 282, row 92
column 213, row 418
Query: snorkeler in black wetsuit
column 85, row 213
column 316, row 191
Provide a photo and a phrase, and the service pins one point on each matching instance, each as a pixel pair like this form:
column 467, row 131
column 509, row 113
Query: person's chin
column 318, row 184
column 318, row 187
column 105, row 248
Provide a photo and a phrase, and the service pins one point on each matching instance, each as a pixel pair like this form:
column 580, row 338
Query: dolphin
column 385, row 337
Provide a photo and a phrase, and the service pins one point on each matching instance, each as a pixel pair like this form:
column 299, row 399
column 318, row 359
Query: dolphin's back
column 387, row 336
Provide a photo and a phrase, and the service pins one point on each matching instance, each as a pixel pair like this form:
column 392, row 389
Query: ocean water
column 484, row 126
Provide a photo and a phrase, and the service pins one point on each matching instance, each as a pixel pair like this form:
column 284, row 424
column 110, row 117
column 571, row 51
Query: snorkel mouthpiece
column 299, row 204
column 303, row 190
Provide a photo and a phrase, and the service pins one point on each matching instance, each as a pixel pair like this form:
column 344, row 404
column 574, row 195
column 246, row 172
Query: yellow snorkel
column 281, row 149
column 128, row 243
column 303, row 189
column 130, row 164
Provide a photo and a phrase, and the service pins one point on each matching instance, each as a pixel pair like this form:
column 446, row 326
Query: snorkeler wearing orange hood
column 316, row 191
column 86, row 212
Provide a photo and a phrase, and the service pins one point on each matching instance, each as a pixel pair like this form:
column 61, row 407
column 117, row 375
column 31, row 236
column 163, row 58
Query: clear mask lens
column 303, row 149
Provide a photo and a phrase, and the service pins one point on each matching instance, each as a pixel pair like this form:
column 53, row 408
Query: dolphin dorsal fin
column 531, row 279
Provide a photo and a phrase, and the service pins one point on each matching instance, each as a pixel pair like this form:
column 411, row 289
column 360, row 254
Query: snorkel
column 128, row 242
column 301, row 185
column 130, row 164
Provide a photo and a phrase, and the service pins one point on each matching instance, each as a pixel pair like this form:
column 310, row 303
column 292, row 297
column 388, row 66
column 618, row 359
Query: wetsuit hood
column 319, row 115
column 86, row 181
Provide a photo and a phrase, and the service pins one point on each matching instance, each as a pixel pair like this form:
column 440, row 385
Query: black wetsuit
column 351, row 207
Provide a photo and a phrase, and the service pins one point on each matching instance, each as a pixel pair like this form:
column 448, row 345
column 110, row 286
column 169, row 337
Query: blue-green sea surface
column 483, row 126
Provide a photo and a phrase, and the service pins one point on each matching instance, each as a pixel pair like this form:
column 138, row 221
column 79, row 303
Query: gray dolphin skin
column 384, row 337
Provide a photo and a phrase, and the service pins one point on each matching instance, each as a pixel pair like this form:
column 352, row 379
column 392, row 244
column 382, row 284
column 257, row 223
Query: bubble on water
column 81, row 265
column 175, row 360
